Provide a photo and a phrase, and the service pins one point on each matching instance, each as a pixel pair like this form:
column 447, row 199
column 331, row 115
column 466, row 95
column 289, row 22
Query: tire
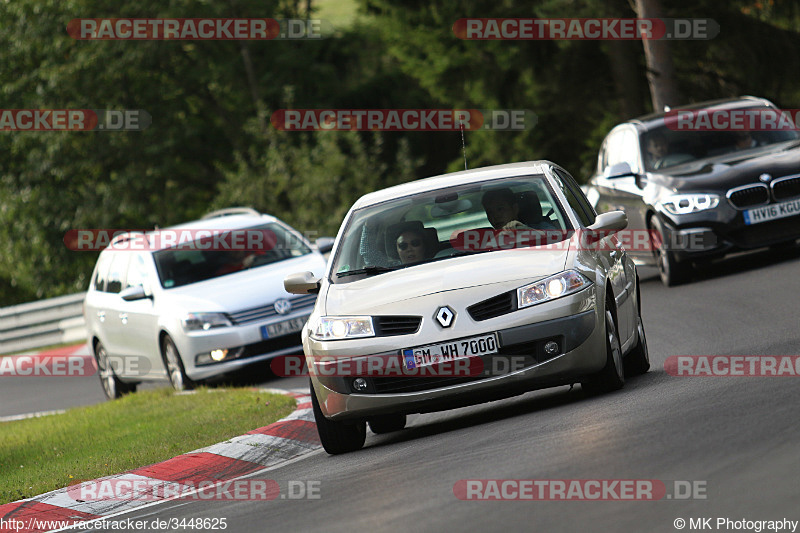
column 112, row 386
column 338, row 437
column 174, row 366
column 671, row 271
column 637, row 362
column 612, row 376
column 387, row 423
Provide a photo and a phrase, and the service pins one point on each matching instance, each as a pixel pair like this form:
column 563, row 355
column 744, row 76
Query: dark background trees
column 208, row 145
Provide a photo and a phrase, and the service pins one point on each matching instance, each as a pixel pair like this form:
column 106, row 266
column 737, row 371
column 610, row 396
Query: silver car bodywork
column 458, row 283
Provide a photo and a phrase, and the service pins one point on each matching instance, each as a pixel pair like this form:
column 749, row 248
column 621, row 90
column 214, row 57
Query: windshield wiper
column 371, row 270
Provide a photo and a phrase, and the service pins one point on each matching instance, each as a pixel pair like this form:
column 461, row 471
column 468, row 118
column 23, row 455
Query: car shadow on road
column 735, row 264
column 541, row 401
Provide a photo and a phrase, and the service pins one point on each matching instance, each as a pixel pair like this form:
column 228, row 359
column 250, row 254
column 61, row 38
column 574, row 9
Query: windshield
column 664, row 147
column 433, row 226
column 209, row 258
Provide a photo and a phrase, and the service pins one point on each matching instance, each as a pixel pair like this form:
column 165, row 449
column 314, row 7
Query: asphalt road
column 734, row 437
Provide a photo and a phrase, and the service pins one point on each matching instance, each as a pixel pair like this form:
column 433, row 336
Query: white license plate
column 771, row 212
column 270, row 331
column 434, row 354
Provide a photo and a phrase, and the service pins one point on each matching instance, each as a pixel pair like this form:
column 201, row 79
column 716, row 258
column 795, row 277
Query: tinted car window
column 101, row 272
column 116, row 272
column 575, row 197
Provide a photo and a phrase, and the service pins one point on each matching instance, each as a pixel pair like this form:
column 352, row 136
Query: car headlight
column 551, row 288
column 683, row 204
column 205, row 321
column 331, row 328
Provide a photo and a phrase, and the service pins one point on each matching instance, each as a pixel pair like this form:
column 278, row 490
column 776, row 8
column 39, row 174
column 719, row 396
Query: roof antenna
column 463, row 145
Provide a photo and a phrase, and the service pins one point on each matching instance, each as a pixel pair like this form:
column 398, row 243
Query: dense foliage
column 210, row 144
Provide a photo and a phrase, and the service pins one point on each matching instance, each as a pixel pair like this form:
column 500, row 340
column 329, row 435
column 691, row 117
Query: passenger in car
column 411, row 242
column 502, row 209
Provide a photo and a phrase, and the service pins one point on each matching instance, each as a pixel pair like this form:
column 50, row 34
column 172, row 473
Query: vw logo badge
column 765, row 178
column 445, row 315
column 282, row 306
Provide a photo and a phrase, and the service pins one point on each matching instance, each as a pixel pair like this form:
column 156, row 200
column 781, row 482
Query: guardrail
column 43, row 323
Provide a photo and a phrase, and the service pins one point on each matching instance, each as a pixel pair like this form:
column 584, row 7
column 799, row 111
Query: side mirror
column 301, row 283
column 132, row 294
column 325, row 244
column 618, row 170
column 610, row 222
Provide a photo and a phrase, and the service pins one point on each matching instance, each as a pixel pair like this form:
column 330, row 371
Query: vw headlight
column 205, row 321
column 551, row 288
column 683, row 204
column 331, row 328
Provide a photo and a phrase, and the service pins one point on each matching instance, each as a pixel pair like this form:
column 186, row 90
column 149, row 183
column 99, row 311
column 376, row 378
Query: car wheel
column 387, row 423
column 612, row 376
column 338, row 437
column 112, row 386
column 638, row 360
column 671, row 271
column 174, row 365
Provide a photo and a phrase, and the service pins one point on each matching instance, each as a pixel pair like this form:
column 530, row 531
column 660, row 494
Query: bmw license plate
column 772, row 211
column 293, row 325
column 433, row 354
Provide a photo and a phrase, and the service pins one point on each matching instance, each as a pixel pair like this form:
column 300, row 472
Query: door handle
column 101, row 315
column 123, row 317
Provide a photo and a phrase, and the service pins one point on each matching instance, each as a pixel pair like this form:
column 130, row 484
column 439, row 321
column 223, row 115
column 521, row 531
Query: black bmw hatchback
column 698, row 195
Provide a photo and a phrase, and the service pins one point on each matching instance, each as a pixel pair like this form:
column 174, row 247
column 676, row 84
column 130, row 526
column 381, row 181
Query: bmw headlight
column 331, row 328
column 205, row 321
column 551, row 288
column 683, row 204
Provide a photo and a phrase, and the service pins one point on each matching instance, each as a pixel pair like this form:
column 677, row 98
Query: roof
column 656, row 119
column 463, row 177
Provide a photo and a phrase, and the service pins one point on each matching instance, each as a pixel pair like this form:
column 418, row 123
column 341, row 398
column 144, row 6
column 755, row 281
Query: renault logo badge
column 282, row 306
column 445, row 315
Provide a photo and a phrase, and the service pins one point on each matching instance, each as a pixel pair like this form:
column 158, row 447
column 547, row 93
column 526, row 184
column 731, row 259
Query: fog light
column 551, row 348
column 218, row 355
column 360, row 384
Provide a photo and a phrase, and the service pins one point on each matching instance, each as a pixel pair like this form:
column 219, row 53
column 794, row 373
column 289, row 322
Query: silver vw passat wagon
column 198, row 300
column 465, row 288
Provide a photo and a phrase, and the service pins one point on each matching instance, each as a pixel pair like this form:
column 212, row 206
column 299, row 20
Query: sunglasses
column 416, row 243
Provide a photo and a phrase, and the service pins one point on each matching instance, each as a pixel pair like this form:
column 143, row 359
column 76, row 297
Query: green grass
column 42, row 454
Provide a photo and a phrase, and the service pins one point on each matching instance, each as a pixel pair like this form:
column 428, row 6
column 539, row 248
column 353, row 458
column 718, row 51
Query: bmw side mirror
column 132, row 294
column 618, row 170
column 610, row 222
column 301, row 283
column 325, row 244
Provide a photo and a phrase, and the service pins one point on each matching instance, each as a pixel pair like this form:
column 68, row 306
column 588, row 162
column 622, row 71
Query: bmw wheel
column 112, row 386
column 175, row 370
column 338, row 437
column 672, row 271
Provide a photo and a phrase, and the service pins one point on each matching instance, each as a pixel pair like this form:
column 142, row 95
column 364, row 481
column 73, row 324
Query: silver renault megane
column 466, row 288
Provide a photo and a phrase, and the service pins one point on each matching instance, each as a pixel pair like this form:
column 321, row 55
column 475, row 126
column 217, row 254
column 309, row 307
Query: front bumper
column 245, row 344
column 519, row 367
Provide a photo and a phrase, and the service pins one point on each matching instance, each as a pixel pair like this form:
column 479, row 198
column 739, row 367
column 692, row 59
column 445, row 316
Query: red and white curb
column 242, row 456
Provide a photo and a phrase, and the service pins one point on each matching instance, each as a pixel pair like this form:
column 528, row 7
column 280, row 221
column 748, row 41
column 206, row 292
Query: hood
column 243, row 290
column 510, row 267
column 732, row 170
